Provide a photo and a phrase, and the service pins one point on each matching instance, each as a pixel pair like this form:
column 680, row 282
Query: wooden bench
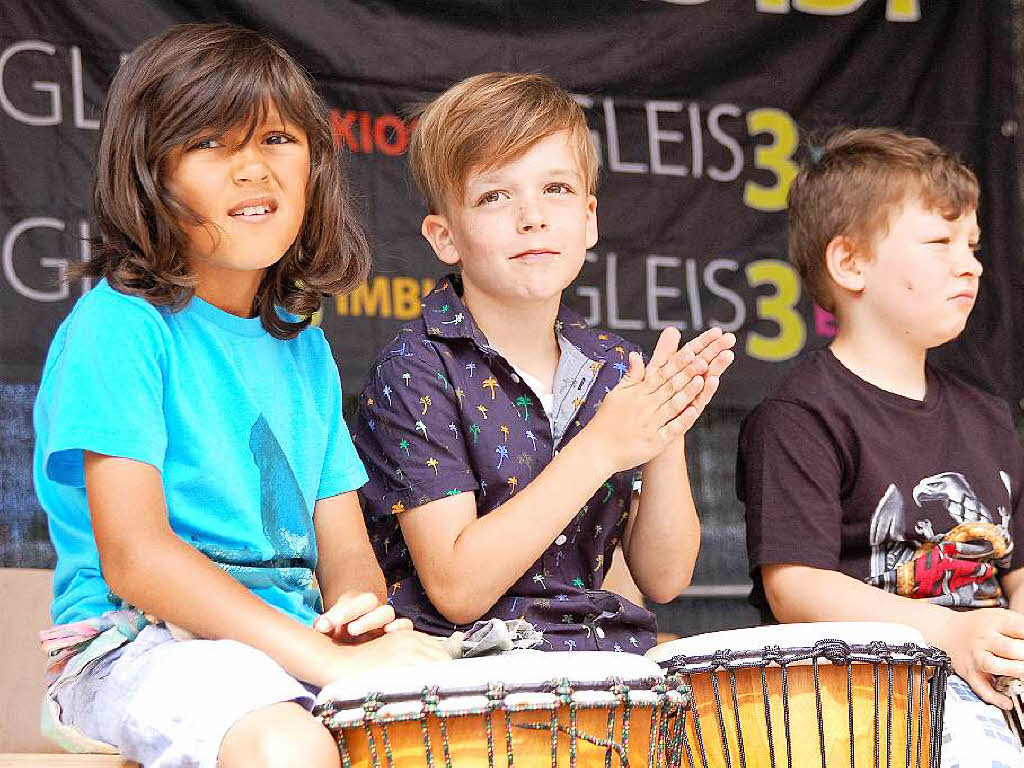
column 64, row 761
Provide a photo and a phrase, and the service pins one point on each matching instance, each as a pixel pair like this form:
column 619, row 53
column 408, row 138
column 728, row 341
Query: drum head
column 462, row 684
column 787, row 636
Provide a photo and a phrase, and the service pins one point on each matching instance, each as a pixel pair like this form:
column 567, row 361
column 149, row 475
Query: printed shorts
column 164, row 702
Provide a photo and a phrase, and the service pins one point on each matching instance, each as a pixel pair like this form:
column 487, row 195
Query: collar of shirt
column 447, row 317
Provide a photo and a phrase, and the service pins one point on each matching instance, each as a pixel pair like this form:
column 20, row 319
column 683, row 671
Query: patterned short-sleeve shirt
column 444, row 413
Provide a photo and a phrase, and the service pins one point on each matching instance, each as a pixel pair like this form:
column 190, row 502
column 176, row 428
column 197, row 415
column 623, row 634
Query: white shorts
column 975, row 734
column 164, row 702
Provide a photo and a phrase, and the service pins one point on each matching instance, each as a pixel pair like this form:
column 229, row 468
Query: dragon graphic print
column 958, row 568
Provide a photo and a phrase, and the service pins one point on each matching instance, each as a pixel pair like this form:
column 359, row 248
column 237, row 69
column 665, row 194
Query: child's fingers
column 635, row 372
column 680, row 380
column 692, row 408
column 981, row 684
column 699, row 344
column 347, row 608
column 378, row 618
column 996, row 665
column 675, row 405
column 717, row 348
column 678, row 426
column 723, row 341
column 668, row 343
column 695, row 366
column 398, row 625
column 1011, row 625
column 1008, row 647
column 700, row 402
column 722, row 361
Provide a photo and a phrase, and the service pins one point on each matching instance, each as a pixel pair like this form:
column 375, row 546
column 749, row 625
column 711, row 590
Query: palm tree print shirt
column 444, row 413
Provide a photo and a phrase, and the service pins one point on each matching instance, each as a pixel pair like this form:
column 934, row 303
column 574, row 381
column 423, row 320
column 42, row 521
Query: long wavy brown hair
column 211, row 77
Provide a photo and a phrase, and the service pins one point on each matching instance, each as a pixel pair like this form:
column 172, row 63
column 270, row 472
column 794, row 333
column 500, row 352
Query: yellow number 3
column 774, row 157
column 780, row 308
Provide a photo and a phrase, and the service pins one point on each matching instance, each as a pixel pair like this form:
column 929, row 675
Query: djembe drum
column 828, row 694
column 525, row 708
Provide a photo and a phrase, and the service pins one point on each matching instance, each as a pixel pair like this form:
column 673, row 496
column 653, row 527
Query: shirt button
column 561, row 540
column 515, row 378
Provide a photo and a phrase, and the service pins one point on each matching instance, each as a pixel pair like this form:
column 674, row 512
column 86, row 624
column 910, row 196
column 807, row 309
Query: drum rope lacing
column 430, row 708
column 564, row 692
column 932, row 669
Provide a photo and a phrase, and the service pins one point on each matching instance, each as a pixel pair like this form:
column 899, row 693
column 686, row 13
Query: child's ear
column 435, row 228
column 591, row 221
column 844, row 260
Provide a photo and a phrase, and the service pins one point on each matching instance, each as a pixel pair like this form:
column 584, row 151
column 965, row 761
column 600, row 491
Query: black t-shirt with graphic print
column 920, row 498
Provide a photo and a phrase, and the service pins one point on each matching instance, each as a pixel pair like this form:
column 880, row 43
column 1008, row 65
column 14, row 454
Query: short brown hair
column 486, row 121
column 850, row 186
column 198, row 77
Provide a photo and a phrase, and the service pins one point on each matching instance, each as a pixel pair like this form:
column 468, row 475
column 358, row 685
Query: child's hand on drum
column 401, row 648
column 984, row 643
column 358, row 617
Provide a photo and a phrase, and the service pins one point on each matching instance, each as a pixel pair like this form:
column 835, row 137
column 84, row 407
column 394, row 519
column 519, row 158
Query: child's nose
column 531, row 217
column 250, row 165
column 968, row 263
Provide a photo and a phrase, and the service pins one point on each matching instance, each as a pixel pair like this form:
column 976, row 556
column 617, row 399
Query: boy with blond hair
column 500, row 431
column 877, row 487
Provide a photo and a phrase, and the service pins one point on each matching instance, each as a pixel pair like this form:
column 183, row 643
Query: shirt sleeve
column 410, row 434
column 343, row 471
column 1015, row 489
column 789, row 476
column 104, row 390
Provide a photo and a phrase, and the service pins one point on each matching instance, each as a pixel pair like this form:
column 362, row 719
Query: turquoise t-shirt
column 245, row 429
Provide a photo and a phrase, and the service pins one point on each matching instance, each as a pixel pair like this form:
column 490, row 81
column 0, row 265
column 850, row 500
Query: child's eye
column 209, row 142
column 938, row 241
column 491, row 197
column 280, row 138
column 559, row 188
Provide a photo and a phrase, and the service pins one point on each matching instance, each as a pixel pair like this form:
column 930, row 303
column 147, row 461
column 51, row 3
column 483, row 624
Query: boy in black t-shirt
column 878, row 488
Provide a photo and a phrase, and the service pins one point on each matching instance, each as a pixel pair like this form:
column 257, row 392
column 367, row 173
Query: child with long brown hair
column 191, row 454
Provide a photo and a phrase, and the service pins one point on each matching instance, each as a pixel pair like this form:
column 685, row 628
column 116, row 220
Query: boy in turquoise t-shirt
column 191, row 455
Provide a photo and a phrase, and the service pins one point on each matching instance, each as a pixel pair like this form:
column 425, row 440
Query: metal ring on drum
column 525, row 708
column 827, row 694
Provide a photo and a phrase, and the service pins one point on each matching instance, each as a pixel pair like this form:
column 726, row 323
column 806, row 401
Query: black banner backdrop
column 698, row 109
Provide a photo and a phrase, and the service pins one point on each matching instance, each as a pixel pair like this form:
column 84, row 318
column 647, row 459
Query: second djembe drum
column 847, row 695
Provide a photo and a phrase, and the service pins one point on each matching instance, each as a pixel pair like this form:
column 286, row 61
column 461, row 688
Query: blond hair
column 851, row 185
column 486, row 121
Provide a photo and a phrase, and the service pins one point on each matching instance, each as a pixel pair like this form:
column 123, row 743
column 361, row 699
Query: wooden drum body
column 526, row 708
column 823, row 694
